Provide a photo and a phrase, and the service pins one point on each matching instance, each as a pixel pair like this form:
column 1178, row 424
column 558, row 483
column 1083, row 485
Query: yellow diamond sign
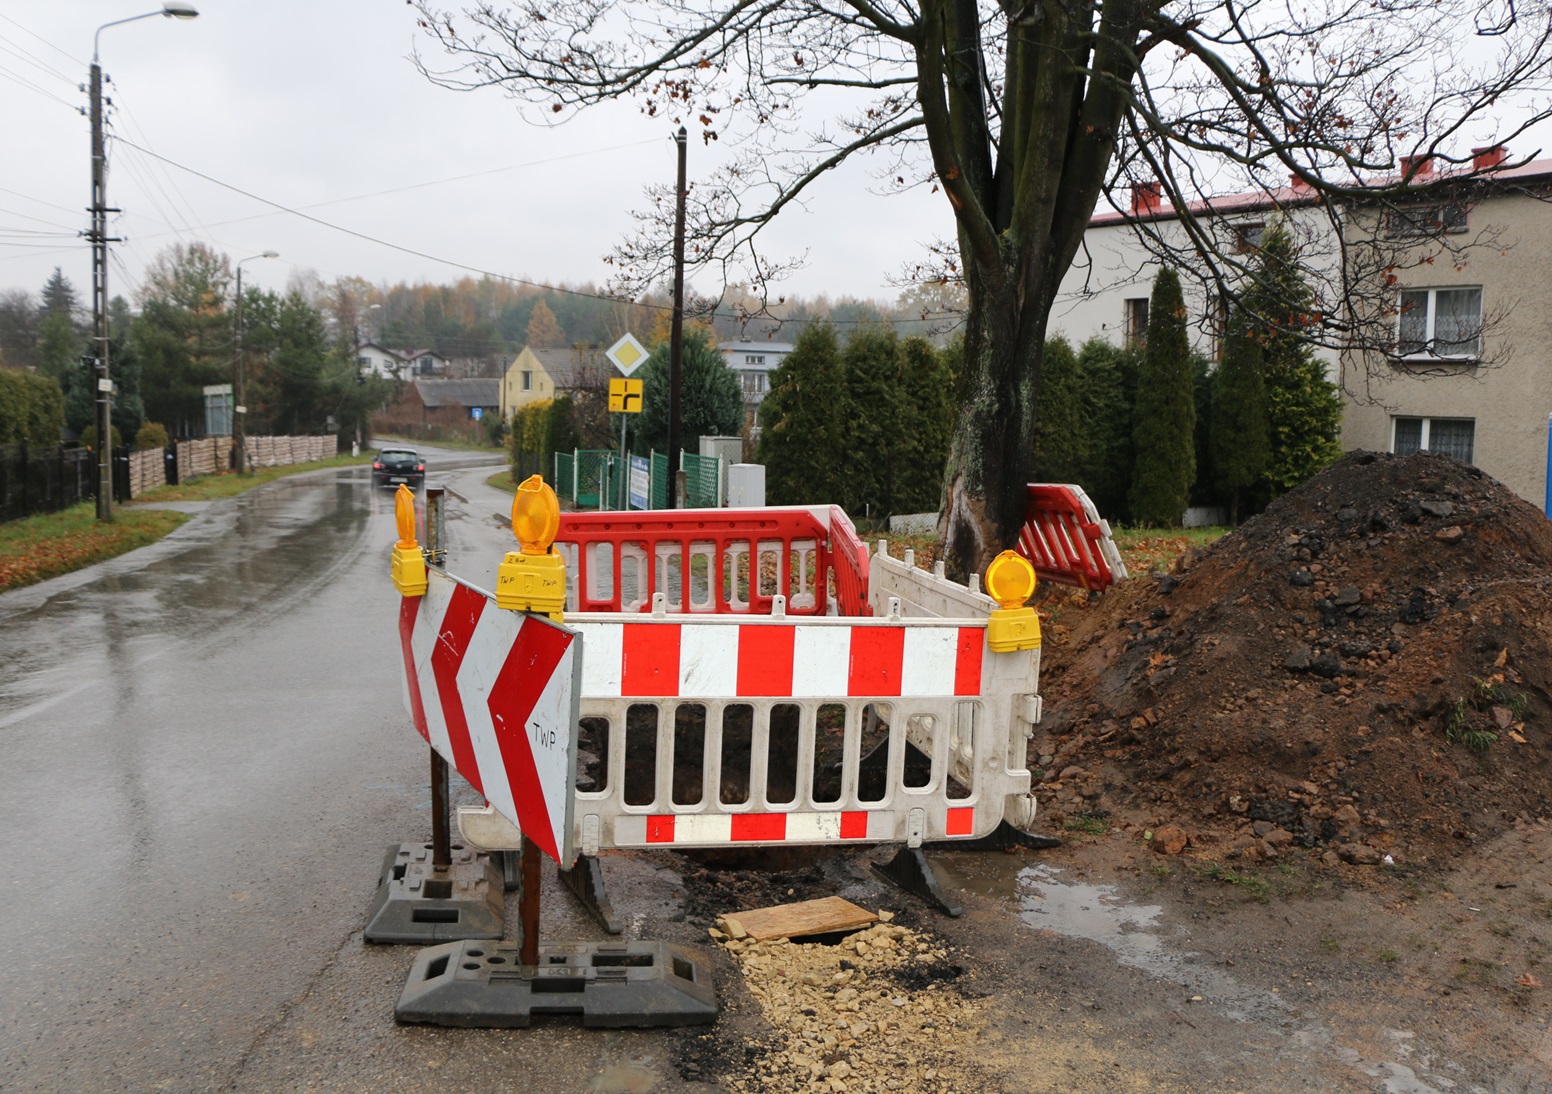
column 627, row 354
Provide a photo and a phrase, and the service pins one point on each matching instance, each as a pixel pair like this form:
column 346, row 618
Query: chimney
column 1416, row 168
column 1483, row 159
column 1147, row 197
column 1298, row 184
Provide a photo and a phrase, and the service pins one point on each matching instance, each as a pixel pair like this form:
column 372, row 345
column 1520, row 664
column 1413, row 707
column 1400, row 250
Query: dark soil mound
column 1365, row 669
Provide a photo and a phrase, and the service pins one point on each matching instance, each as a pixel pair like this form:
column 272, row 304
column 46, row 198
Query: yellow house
column 539, row 374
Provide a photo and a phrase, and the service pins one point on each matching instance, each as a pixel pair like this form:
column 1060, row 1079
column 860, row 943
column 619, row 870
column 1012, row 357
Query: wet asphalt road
column 206, row 755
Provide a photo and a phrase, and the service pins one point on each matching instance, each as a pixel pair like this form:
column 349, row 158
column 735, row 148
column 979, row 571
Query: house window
column 363, row 362
column 1136, row 321
column 1450, row 219
column 1247, row 237
column 1440, row 323
column 527, row 379
column 1452, row 436
column 754, row 359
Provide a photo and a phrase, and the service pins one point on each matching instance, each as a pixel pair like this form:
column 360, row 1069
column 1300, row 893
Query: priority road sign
column 627, row 354
column 496, row 693
column 624, row 396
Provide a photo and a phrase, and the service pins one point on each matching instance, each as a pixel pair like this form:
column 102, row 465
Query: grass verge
column 226, row 484
column 46, row 546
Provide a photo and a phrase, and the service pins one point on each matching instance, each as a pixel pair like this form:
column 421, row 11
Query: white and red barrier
column 495, row 693
column 830, row 696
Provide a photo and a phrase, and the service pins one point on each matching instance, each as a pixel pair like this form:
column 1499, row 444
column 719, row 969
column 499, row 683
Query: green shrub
column 151, row 435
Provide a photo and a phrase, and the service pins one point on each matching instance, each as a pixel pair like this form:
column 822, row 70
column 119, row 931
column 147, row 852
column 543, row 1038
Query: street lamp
column 174, row 9
column 238, row 409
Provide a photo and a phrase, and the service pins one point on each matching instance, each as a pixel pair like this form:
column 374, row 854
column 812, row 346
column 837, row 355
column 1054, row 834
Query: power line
column 455, row 263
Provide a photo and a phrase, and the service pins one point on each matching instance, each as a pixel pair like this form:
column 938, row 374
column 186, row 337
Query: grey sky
column 314, row 105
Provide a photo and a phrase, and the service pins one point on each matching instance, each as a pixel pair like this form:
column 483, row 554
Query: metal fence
column 588, row 475
column 37, row 479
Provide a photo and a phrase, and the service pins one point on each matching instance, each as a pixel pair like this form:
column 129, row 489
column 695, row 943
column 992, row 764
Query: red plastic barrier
column 731, row 560
column 849, row 561
column 1065, row 539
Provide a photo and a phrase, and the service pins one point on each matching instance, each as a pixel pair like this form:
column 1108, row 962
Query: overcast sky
column 314, row 105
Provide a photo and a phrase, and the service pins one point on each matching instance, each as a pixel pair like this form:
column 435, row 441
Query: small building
column 754, row 362
column 433, row 402
column 424, row 362
column 379, row 360
column 539, row 374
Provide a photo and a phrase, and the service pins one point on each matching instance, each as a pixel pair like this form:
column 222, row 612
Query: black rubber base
column 416, row 904
column 1004, row 837
column 611, row 985
column 910, row 870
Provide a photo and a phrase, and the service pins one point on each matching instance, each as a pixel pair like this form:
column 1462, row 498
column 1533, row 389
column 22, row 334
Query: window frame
column 1426, row 350
column 1135, row 320
column 1425, row 432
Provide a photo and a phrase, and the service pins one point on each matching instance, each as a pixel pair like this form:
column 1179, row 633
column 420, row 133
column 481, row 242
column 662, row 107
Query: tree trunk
column 991, row 454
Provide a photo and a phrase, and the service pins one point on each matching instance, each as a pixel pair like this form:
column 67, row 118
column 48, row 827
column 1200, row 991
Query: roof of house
column 459, row 392
column 569, row 368
column 1284, row 197
column 756, row 347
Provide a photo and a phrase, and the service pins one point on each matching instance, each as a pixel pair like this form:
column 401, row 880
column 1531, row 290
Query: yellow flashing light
column 409, row 564
column 535, row 515
column 1010, row 581
column 533, row 579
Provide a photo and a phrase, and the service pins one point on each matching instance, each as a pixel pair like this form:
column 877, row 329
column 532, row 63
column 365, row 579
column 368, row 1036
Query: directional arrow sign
column 624, row 396
column 496, row 693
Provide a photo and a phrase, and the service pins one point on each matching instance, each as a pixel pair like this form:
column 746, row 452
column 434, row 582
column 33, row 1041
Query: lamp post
column 239, row 373
column 173, row 9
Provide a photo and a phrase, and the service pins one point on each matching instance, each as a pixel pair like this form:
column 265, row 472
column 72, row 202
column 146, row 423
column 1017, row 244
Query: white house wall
column 1114, row 266
column 1508, row 396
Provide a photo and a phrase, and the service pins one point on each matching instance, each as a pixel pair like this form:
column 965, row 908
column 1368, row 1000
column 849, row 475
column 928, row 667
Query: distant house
column 380, row 361
column 424, row 362
column 434, row 402
column 754, row 362
column 539, row 374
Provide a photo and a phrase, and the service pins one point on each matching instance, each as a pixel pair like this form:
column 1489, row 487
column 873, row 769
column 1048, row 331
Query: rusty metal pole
column 441, row 834
column 528, row 906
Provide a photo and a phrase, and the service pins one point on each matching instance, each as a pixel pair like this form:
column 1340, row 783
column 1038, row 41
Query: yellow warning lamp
column 533, row 579
column 1010, row 581
column 409, row 565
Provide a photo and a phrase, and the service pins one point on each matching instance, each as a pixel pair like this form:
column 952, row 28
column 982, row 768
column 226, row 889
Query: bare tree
column 1022, row 114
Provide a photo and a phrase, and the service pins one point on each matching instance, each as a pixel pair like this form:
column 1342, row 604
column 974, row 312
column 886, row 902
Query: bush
column 32, row 408
column 151, row 435
column 89, row 437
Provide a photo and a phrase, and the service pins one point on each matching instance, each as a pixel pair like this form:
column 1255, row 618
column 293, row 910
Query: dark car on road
column 399, row 465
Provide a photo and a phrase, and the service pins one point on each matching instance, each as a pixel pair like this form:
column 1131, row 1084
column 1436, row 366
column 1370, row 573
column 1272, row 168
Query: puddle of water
column 622, row 1079
column 1100, row 914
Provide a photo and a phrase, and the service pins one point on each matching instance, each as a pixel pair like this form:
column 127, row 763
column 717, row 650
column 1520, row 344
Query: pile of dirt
column 1362, row 671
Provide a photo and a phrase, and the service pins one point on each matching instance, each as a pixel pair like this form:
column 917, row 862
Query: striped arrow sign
column 496, row 693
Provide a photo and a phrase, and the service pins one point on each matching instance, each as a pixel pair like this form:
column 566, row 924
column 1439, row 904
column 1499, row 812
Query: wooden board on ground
column 830, row 913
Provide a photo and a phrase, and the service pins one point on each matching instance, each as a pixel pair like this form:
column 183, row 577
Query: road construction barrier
column 731, row 561
column 780, row 687
column 1065, row 538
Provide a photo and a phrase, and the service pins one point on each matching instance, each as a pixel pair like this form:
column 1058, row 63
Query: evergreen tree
column 874, row 406
column 711, row 399
column 1064, row 439
column 1241, row 443
column 1109, row 386
column 59, row 298
column 927, row 382
column 1166, row 411
column 1304, row 407
column 802, row 421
